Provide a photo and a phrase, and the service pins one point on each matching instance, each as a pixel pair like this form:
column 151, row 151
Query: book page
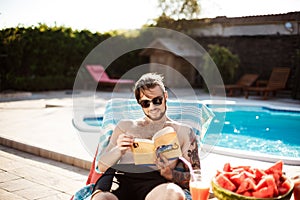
column 163, row 131
column 143, row 152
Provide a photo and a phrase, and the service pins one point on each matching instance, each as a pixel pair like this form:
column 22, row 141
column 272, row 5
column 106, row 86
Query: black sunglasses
column 156, row 101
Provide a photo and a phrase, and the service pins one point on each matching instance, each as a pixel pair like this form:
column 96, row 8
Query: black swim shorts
column 129, row 185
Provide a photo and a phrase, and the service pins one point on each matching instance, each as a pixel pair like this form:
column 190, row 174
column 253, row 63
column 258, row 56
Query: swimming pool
column 258, row 131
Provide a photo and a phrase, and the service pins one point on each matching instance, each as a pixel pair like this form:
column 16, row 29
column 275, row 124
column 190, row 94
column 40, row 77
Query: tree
column 179, row 9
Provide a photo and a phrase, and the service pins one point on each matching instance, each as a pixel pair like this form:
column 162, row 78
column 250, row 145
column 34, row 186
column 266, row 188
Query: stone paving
column 26, row 176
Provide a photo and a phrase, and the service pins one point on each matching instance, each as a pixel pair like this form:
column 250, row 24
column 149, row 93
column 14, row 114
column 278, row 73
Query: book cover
column 163, row 142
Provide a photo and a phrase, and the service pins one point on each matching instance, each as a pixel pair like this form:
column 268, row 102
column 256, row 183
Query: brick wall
column 261, row 53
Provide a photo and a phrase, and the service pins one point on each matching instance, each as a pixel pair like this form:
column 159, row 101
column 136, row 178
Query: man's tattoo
column 181, row 178
column 193, row 152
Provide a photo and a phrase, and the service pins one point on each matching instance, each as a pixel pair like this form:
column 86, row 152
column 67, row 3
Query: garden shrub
column 226, row 62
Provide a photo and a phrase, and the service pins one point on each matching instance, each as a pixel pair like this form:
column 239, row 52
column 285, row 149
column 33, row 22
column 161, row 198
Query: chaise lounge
column 276, row 82
column 100, row 76
column 195, row 114
column 245, row 81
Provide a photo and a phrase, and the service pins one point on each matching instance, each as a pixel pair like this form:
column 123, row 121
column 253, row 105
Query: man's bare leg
column 99, row 195
column 166, row 191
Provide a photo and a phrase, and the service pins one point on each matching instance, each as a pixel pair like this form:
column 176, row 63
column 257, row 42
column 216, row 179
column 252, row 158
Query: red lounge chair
column 245, row 81
column 277, row 81
column 100, row 76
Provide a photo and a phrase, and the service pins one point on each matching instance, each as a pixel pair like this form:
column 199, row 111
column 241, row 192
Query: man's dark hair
column 148, row 81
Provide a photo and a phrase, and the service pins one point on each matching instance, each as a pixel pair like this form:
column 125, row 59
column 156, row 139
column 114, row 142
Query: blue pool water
column 256, row 129
column 250, row 128
column 94, row 121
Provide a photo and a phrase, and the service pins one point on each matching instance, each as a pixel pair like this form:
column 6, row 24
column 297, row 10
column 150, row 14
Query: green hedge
column 46, row 53
column 48, row 58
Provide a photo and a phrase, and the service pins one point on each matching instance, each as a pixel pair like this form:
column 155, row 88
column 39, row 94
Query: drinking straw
column 189, row 166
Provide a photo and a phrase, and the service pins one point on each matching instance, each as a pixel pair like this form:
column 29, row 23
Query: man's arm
column 119, row 143
column 183, row 178
column 190, row 153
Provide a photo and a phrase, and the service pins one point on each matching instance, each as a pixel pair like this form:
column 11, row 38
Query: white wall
column 250, row 30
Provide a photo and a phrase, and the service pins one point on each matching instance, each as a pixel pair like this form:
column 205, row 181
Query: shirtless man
column 163, row 181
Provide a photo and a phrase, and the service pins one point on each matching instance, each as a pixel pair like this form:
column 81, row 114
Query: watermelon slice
column 265, row 192
column 270, row 180
column 248, row 194
column 224, row 182
column 239, row 178
column 246, row 185
column 229, row 175
column 284, row 187
column 227, row 167
column 258, row 173
column 262, row 183
column 276, row 168
column 242, row 168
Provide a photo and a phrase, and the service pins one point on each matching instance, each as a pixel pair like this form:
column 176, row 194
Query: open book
column 163, row 142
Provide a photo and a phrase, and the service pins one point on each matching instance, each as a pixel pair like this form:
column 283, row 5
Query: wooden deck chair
column 245, row 81
column 193, row 113
column 276, row 82
column 100, row 76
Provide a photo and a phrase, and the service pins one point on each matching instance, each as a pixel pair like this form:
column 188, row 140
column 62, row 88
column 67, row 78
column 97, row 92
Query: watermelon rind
column 223, row 194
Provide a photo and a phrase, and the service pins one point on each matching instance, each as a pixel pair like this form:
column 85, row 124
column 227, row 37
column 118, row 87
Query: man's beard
column 159, row 117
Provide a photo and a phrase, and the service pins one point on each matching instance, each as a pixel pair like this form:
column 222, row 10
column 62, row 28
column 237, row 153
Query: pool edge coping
column 45, row 153
column 249, row 155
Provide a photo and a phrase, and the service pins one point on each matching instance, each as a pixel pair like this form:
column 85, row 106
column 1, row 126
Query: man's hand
column 178, row 177
column 163, row 165
column 124, row 142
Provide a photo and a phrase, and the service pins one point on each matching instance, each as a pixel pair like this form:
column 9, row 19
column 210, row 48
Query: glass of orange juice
column 297, row 189
column 199, row 188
